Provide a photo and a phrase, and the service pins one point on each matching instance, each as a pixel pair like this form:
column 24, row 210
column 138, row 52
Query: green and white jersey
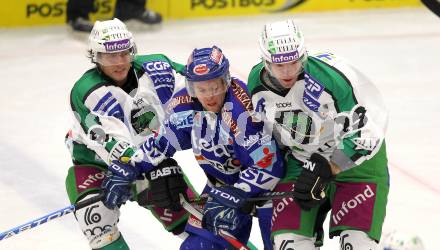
column 323, row 106
column 111, row 121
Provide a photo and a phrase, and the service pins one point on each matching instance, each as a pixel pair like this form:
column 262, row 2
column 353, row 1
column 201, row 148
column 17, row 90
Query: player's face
column 286, row 73
column 211, row 94
column 116, row 65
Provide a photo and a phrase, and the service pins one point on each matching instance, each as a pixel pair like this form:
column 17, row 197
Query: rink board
column 49, row 12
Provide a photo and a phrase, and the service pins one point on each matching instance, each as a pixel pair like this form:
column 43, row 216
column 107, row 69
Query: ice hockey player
column 213, row 116
column 328, row 119
column 116, row 104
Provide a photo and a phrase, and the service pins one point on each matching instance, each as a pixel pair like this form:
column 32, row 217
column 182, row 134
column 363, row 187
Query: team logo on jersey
column 182, row 119
column 313, row 86
column 201, row 69
column 298, row 123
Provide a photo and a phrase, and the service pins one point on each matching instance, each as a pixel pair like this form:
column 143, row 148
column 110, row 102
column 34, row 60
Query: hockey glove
column 117, row 183
column 226, row 209
column 312, row 182
column 166, row 183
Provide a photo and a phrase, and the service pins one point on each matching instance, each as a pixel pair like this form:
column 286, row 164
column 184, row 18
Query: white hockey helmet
column 282, row 42
column 397, row 240
column 110, row 36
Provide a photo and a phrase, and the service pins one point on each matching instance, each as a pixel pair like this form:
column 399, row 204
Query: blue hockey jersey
column 231, row 146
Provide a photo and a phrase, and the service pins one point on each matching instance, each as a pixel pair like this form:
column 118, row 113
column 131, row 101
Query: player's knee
column 197, row 242
column 293, row 241
column 98, row 223
column 354, row 239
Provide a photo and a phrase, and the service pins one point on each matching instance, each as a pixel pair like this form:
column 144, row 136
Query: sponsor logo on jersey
column 264, row 156
column 156, row 67
column 160, row 73
column 313, row 86
column 250, row 141
column 310, row 103
column 283, row 104
column 242, row 96
column 279, row 207
column 117, row 45
column 229, row 121
column 182, row 119
column 285, row 57
column 259, row 178
column 179, row 100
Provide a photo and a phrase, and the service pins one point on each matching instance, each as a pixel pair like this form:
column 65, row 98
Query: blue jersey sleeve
column 174, row 135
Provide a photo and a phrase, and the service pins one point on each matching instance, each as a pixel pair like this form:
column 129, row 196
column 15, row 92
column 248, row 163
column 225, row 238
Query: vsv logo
column 259, row 178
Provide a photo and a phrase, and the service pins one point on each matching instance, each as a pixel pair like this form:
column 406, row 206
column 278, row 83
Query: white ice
column 398, row 49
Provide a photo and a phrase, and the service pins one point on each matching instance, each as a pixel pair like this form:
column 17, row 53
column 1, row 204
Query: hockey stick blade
column 46, row 218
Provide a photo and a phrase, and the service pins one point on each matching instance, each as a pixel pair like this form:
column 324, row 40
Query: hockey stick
column 225, row 235
column 433, row 5
column 49, row 217
column 274, row 195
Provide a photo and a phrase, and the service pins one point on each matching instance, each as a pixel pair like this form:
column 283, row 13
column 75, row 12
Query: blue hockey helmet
column 207, row 64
